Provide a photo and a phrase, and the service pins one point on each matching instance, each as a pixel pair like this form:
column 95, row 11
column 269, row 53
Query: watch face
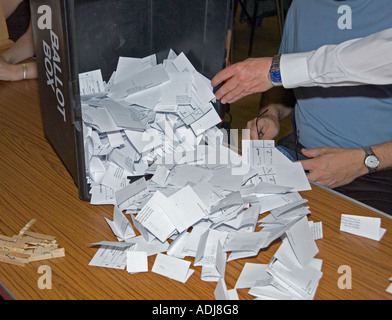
column 371, row 162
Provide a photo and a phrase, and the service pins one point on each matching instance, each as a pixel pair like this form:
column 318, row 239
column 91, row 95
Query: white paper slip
column 293, row 176
column 91, row 84
column 140, row 81
column 184, row 208
column 253, row 275
column 301, row 241
column 215, row 271
column 367, row 227
column 110, row 257
column 269, row 188
column 222, row 293
column 171, row 267
column 151, row 247
column 130, row 190
column 124, row 116
column 115, row 244
column 128, row 66
column 258, row 152
column 153, row 218
column 120, row 225
column 178, row 91
column 207, row 121
column 99, row 118
column 317, row 229
column 303, row 281
column 137, row 261
column 389, row 289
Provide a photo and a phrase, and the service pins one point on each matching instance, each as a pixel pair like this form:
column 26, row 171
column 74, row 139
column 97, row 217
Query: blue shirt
column 345, row 117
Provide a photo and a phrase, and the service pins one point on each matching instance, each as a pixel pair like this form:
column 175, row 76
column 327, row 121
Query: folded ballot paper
column 154, row 152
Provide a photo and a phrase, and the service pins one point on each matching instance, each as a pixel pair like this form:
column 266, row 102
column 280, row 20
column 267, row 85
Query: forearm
column 383, row 152
column 22, row 49
column 355, row 62
column 9, row 6
column 15, row 72
column 335, row 167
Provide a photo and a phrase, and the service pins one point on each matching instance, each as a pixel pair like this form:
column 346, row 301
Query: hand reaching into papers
column 242, row 79
column 334, row 167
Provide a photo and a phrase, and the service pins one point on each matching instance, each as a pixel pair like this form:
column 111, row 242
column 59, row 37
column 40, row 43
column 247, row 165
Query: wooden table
column 35, row 184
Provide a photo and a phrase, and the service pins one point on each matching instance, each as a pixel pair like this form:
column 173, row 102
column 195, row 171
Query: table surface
column 34, row 184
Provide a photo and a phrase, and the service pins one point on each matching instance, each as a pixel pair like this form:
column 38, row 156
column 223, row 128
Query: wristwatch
column 371, row 160
column 274, row 73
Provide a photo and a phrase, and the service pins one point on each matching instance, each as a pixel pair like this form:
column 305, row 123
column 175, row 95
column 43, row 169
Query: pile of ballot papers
column 154, row 152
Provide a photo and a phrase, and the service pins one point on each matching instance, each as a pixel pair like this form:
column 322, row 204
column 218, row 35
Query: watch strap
column 274, row 73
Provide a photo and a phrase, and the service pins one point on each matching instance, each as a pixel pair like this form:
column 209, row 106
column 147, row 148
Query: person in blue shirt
column 342, row 135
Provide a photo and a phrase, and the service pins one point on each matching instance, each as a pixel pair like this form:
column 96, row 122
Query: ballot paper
column 258, row 152
column 245, row 220
column 172, row 267
column 208, row 119
column 160, row 175
column 115, row 177
column 223, row 179
column 270, row 292
column 214, row 269
column 152, row 247
column 186, row 243
column 120, row 225
column 367, row 227
column 301, row 240
column 137, row 261
column 248, row 241
column 177, row 91
column 100, row 118
column 113, row 257
column 184, row 208
column 221, row 292
column 291, row 175
column 91, row 84
column 101, row 194
column 317, row 229
column 144, row 141
column 253, row 275
column 303, row 281
column 140, row 81
column 114, row 244
column 269, row 188
column 153, row 150
column 211, row 256
column 201, row 87
column 122, row 115
column 389, row 288
column 290, row 277
column 153, row 218
column 127, row 67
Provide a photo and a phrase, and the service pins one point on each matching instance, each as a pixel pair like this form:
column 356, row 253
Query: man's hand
column 242, row 79
column 334, row 167
column 264, row 128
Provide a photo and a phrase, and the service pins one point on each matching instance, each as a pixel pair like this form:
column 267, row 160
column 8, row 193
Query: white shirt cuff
column 294, row 69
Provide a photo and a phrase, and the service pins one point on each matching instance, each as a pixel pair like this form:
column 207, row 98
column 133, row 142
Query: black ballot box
column 72, row 37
